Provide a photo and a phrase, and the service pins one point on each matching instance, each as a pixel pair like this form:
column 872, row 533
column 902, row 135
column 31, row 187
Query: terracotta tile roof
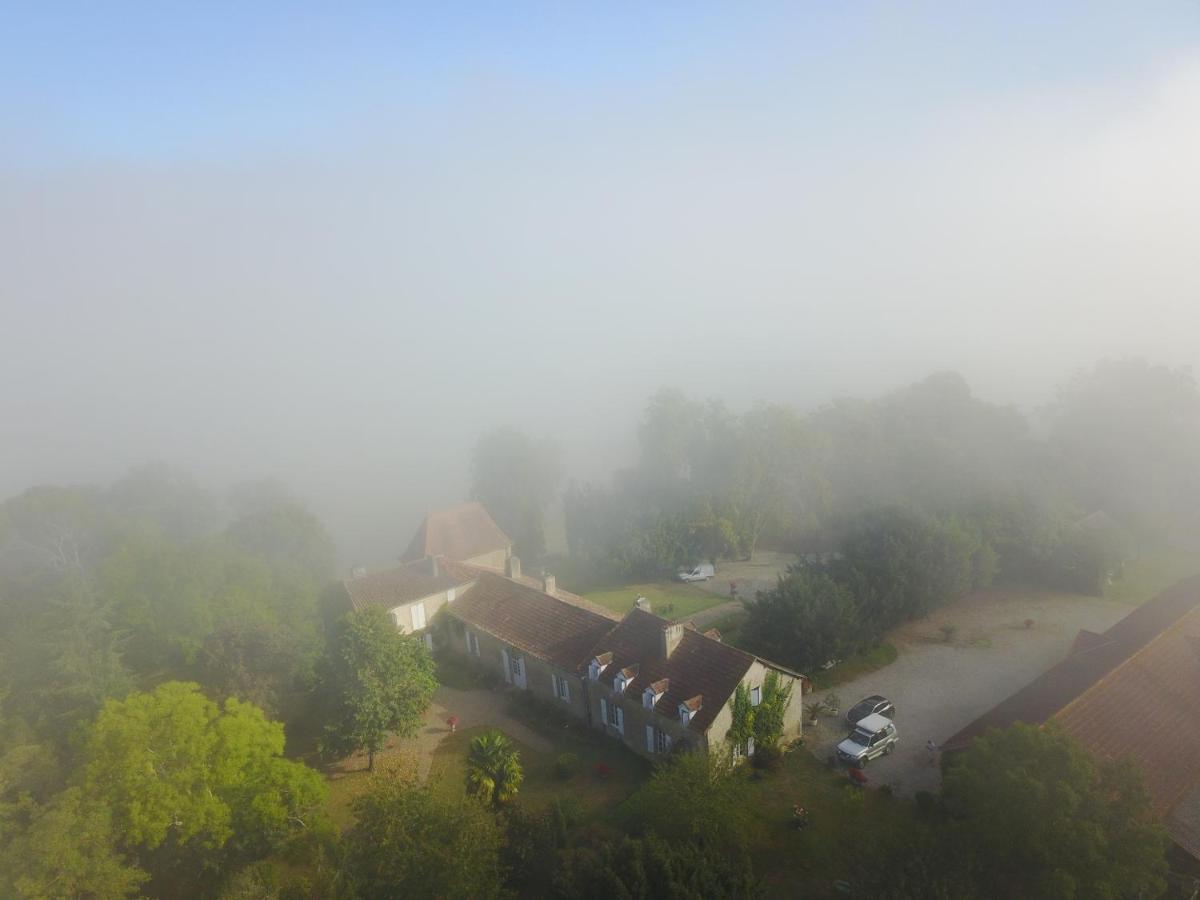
column 1132, row 694
column 694, row 703
column 401, row 584
column 1091, row 661
column 533, row 622
column 698, row 666
column 458, row 532
column 1183, row 823
column 1145, row 710
column 472, row 571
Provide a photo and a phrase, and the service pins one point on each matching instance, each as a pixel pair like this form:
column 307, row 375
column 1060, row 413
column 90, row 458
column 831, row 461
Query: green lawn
column 672, row 600
column 1151, row 573
column 855, row 665
column 844, row 821
column 594, row 796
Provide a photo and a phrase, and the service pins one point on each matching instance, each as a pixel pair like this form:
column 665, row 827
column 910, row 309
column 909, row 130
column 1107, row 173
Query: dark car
column 870, row 706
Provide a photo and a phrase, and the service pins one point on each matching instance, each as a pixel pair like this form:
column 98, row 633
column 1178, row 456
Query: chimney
column 549, row 584
column 512, row 567
column 434, row 569
column 671, row 636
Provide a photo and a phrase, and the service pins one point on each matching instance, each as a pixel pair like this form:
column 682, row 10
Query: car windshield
column 862, row 738
column 862, row 710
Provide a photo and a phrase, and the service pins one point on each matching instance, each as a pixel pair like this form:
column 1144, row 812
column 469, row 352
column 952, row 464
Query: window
column 594, row 669
column 620, row 684
column 755, row 696
column 418, row 616
column 562, row 690
column 662, row 742
column 750, row 746
column 685, row 714
column 616, row 718
column 516, row 663
column 450, row 595
column 472, row 643
column 649, row 698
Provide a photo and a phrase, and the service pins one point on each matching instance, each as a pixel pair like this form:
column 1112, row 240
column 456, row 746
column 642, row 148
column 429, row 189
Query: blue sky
column 332, row 244
column 151, row 82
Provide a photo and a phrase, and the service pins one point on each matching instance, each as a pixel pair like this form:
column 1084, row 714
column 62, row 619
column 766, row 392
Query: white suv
column 873, row 736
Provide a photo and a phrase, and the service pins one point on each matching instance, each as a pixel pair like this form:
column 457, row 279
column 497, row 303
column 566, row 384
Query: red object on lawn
column 453, row 723
column 858, row 776
column 602, row 770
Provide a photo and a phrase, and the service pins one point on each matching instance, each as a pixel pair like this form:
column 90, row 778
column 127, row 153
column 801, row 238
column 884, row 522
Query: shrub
column 566, row 765
column 948, row 632
column 766, row 758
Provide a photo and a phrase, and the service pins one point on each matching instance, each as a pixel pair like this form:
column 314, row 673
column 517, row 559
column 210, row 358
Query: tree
column 493, row 768
column 68, row 848
column 409, row 842
column 649, row 866
column 377, row 681
column 1042, row 819
column 695, row 797
column 1127, row 436
column 175, row 769
column 805, row 620
column 516, row 478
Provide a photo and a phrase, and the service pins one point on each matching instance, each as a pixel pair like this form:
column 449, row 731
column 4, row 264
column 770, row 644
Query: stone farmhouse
column 649, row 682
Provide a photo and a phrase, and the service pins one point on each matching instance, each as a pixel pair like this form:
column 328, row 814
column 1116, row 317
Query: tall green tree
column 516, row 478
column 67, row 848
column 376, row 681
column 805, row 620
column 177, row 771
column 493, row 768
column 695, row 797
column 408, row 841
column 1041, row 819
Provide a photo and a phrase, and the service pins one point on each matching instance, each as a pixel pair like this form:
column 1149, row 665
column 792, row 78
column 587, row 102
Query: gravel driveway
column 938, row 686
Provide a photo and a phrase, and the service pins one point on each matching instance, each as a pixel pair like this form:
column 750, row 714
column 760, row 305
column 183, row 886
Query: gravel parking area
column 939, row 685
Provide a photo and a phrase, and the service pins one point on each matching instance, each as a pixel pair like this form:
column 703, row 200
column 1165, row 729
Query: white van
column 702, row 572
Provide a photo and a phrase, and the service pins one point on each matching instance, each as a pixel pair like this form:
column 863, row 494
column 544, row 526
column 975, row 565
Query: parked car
column 873, row 736
column 701, row 572
column 868, row 706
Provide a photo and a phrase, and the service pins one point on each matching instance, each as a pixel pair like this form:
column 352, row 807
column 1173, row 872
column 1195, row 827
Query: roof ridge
column 1107, row 676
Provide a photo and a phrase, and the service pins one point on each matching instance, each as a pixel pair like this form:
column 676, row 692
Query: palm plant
column 493, row 768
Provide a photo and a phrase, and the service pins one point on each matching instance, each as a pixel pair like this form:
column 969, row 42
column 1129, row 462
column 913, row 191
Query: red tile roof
column 1145, row 710
column 1129, row 693
column 458, row 533
column 698, row 665
column 470, row 572
column 533, row 622
column 401, row 584
column 1091, row 661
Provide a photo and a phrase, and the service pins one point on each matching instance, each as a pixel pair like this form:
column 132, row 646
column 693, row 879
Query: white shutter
column 750, row 745
column 604, row 710
column 620, row 720
column 649, row 738
column 554, row 684
column 566, row 690
column 507, row 665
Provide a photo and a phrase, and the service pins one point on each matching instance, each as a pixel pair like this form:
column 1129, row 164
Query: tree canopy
column 376, row 681
column 1039, row 818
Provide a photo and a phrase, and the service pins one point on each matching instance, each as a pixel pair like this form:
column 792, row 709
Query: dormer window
column 654, row 692
column 625, row 678
column 598, row 664
column 688, row 709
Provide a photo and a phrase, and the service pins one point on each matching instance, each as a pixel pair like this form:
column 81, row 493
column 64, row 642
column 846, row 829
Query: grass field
column 1151, row 573
column 855, row 665
column 594, row 796
column 672, row 600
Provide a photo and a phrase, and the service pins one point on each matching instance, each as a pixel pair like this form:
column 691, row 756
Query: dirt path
column 473, row 708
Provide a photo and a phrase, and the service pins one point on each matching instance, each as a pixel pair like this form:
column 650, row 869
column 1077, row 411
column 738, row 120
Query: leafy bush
column 566, row 765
